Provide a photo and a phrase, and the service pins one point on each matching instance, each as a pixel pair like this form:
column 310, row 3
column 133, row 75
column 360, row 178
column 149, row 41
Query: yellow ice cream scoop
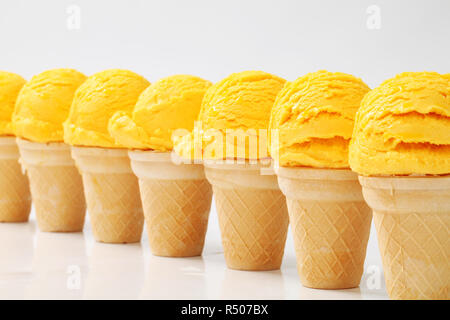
column 10, row 85
column 314, row 118
column 167, row 105
column 44, row 103
column 96, row 101
column 235, row 115
column 403, row 127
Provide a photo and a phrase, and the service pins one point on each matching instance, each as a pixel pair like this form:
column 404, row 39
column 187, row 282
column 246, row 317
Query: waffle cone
column 412, row 218
column 176, row 201
column 55, row 184
column 15, row 198
column 252, row 215
column 330, row 224
column 112, row 194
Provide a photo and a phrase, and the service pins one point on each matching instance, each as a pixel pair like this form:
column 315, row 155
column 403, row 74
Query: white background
column 210, row 39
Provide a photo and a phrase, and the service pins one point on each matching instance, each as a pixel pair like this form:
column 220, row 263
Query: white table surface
column 38, row 265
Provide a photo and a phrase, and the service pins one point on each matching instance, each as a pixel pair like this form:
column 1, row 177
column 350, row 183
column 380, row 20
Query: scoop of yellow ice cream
column 238, row 106
column 10, row 85
column 403, row 127
column 167, row 105
column 190, row 145
column 44, row 103
column 314, row 116
column 96, row 101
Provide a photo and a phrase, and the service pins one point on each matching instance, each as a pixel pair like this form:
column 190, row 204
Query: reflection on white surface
column 241, row 285
column 55, row 256
column 175, row 278
column 16, row 254
column 346, row 294
column 16, row 249
column 116, row 271
column 74, row 266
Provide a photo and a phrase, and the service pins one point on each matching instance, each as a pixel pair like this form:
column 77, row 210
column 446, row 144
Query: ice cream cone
column 176, row 201
column 112, row 194
column 252, row 214
column 55, row 185
column 15, row 199
column 412, row 218
column 330, row 223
